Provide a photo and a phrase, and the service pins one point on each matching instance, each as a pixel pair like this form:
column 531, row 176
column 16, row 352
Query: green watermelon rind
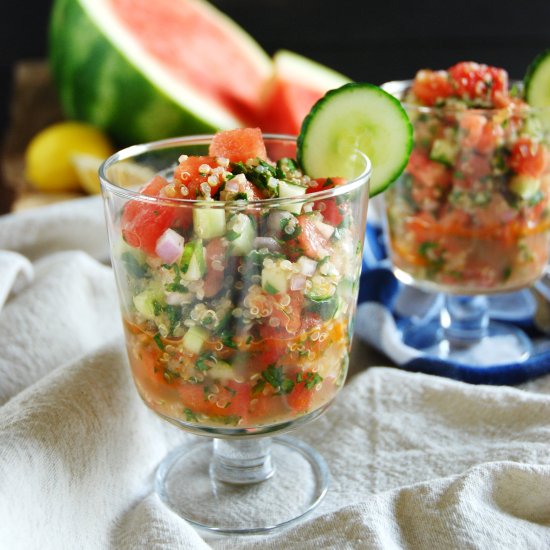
column 125, row 102
column 298, row 68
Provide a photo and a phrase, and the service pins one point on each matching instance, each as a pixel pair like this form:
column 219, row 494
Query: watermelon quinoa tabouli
column 239, row 317
column 143, row 70
column 471, row 212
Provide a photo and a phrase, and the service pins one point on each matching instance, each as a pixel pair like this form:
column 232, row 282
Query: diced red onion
column 169, row 246
column 297, row 281
column 325, row 229
column 267, row 242
column 232, row 186
column 307, row 266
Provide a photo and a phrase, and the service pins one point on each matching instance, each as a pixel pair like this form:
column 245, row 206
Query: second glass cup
column 466, row 220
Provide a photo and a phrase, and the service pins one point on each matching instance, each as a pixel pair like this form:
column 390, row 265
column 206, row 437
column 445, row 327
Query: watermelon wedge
column 144, row 70
column 297, row 83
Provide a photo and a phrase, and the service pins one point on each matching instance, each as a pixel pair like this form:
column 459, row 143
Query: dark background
column 367, row 41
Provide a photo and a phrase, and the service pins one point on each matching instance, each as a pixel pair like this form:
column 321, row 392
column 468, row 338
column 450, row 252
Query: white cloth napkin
column 416, row 461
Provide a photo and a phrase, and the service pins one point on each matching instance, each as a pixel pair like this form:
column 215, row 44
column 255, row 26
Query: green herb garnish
column 190, row 416
column 158, row 341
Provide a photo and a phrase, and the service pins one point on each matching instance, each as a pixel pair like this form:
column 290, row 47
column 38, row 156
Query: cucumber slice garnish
column 356, row 116
column 537, row 81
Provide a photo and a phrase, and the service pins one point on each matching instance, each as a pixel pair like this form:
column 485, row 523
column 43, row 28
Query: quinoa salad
column 238, row 310
column 471, row 212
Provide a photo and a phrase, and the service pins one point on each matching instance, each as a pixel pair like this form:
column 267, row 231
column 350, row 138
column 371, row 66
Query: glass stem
column 465, row 319
column 242, row 461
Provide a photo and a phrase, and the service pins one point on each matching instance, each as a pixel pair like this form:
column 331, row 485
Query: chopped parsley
column 203, row 361
column 274, row 376
column 158, row 341
column 190, row 416
column 312, row 379
column 133, row 267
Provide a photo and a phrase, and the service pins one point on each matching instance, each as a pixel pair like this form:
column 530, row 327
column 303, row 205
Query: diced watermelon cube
column 239, row 145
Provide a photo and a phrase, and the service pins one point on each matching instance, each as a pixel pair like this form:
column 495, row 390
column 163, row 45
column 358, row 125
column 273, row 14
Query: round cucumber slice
column 537, row 81
column 356, row 116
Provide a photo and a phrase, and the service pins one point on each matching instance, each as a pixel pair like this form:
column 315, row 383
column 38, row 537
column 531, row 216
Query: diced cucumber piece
column 444, row 151
column 321, row 288
column 148, row 303
column 524, row 186
column 274, row 279
column 240, row 234
column 194, row 339
column 346, row 287
column 326, row 309
column 193, row 262
column 221, row 370
column 289, row 190
column 209, row 222
column 356, row 116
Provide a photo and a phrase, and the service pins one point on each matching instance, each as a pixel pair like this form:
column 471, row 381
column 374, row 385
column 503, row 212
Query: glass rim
column 397, row 87
column 133, row 151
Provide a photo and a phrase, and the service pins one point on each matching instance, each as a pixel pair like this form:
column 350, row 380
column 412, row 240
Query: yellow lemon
column 125, row 174
column 48, row 159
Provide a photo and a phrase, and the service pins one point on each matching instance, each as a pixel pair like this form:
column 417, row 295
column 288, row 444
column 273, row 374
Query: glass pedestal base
column 501, row 344
column 295, row 480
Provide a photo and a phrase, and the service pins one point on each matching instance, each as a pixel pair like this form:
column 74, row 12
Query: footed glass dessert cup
column 238, row 317
column 470, row 217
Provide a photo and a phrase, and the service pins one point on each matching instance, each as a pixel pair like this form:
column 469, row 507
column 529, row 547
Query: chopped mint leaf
column 258, row 175
column 425, row 247
column 312, row 379
column 174, row 314
column 188, row 250
column 273, row 375
column 157, row 307
column 258, row 387
column 176, row 287
column 158, row 341
column 287, row 386
column 202, row 363
column 270, row 289
column 231, row 420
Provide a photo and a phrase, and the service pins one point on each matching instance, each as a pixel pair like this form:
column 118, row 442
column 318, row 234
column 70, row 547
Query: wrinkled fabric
column 416, row 461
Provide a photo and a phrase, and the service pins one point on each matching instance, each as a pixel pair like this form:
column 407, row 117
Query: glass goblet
column 244, row 336
column 461, row 221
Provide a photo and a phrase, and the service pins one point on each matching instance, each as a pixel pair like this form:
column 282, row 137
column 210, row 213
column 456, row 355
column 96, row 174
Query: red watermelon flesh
column 287, row 105
column 297, row 84
column 238, row 145
column 192, row 41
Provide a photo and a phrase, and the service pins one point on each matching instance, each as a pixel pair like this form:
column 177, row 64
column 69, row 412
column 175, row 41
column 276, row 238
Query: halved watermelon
column 144, row 69
column 297, row 83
